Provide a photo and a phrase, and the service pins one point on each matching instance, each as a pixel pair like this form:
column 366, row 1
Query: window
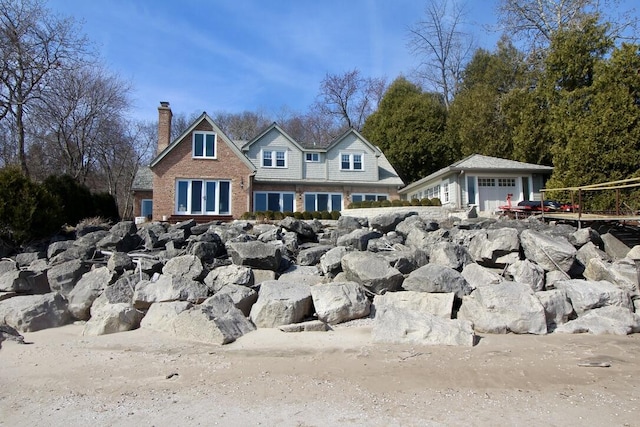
column 277, row 202
column 445, row 191
column 203, row 197
column 432, row 192
column 322, row 202
column 312, row 157
column 146, row 208
column 506, row 182
column 486, row 182
column 274, row 159
column 351, row 161
column 373, row 197
column 204, row 145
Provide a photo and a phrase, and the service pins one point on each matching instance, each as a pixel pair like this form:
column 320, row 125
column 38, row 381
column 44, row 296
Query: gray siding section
column 315, row 171
column 352, row 144
column 274, row 140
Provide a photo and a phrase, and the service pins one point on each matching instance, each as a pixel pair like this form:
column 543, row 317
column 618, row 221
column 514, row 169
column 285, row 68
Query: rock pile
column 419, row 281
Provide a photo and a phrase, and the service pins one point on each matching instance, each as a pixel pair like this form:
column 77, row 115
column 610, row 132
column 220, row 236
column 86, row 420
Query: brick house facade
column 203, row 174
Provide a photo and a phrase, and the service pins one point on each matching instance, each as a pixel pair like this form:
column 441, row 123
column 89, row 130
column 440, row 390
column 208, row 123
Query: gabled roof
column 216, row 129
column 143, row 180
column 480, row 163
column 272, row 126
column 336, row 141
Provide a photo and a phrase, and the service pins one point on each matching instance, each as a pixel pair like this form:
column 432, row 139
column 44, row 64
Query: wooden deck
column 200, row 219
column 587, row 217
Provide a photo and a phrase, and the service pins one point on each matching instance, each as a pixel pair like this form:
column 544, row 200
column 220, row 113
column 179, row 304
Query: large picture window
column 201, row 197
column 204, row 145
column 322, row 202
column 273, row 201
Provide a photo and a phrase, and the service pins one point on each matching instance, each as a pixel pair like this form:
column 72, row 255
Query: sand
column 268, row 377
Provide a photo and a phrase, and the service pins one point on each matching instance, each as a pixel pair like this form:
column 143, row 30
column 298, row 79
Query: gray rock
column 88, row 288
column 396, row 325
column 121, row 291
column 331, row 261
column 63, row 277
column 187, row 266
column 358, row 239
column 549, row 252
column 614, row 247
column 119, row 243
column 308, row 326
column 300, row 227
column 217, row 322
column 440, row 305
column 169, row 288
column 339, row 302
column 7, row 265
column 281, row 303
column 351, row 223
column 226, row 275
column 30, row 313
column 528, row 273
column 112, row 318
column 477, row 275
column 161, row 315
column 255, row 254
column 405, row 259
column 312, row 255
column 119, row 262
column 24, row 281
column 605, row 320
column 260, row 276
column 622, row 273
column 496, row 247
column 552, row 277
column 208, row 247
column 23, row 259
column 589, row 251
column 588, row 294
column 585, row 235
column 438, row 279
column 557, row 307
column 449, row 255
column 58, row 247
column 372, row 271
column 424, row 239
column 243, row 297
column 386, row 222
column 504, row 307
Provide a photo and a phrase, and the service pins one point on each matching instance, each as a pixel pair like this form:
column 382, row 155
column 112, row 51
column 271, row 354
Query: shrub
column 335, row 215
column 316, row 215
column 105, row 206
column 396, row 203
column 27, row 210
column 425, row 202
column 325, row 215
column 288, row 213
column 415, row 202
column 385, row 203
column 297, row 215
column 365, row 204
column 307, row 215
column 436, row 202
column 277, row 215
column 76, row 201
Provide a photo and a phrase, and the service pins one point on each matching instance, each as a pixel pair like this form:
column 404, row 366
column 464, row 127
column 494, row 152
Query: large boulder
column 24, row 281
column 440, row 304
column 339, row 302
column 168, row 288
column 312, row 255
column 30, row 313
column 331, row 261
column 495, row 247
column 300, row 227
column 449, row 255
column 614, row 247
column 217, row 322
column 372, row 271
column 549, row 252
column 243, row 297
column 255, row 254
column 605, row 320
column 206, row 246
column 477, row 275
column 504, row 307
column 405, row 259
column 358, row 239
column 226, row 275
column 119, row 262
column 112, row 318
column 524, row 271
column 419, row 238
column 386, row 222
column 188, row 266
column 590, row 251
column 281, row 303
column 589, row 294
column 396, row 325
column 622, row 273
column 557, row 307
column 88, row 288
column 63, row 277
column 438, row 279
column 161, row 315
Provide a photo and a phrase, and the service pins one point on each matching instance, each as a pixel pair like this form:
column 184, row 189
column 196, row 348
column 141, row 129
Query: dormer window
column 351, row 162
column 312, row 157
column 274, row 158
column 204, row 145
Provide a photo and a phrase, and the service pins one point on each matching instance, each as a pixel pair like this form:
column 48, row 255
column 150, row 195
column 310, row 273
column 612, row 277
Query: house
column 483, row 181
column 203, row 174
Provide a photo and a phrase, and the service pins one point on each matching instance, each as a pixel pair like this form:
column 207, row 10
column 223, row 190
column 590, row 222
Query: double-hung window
column 274, row 158
column 204, row 145
column 312, row 157
column 351, row 161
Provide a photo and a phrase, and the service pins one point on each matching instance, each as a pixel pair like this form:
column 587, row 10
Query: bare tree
column 241, row 126
column 34, row 43
column 349, row 98
column 537, row 20
column 442, row 46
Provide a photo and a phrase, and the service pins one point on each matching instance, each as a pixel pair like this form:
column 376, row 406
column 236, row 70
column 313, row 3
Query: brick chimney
column 164, row 125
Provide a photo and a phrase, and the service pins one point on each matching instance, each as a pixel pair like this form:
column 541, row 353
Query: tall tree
column 34, row 43
column 409, row 128
column 441, row 46
column 349, row 98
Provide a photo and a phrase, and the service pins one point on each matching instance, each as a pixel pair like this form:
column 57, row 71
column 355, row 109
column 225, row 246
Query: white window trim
column 351, row 162
column 204, row 147
column 306, row 159
column 142, row 201
column 203, row 212
column 281, row 193
column 274, row 158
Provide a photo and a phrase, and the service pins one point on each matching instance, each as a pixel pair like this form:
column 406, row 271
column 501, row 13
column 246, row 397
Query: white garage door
column 493, row 192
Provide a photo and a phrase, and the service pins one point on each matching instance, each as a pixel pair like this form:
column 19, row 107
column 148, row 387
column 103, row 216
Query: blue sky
column 255, row 55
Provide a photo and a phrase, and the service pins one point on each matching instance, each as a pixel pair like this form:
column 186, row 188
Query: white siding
column 274, row 140
column 352, row 145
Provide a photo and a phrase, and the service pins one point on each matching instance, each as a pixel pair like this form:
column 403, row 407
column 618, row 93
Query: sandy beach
column 268, row 377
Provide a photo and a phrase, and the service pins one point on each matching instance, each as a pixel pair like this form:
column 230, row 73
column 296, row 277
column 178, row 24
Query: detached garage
column 483, row 181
